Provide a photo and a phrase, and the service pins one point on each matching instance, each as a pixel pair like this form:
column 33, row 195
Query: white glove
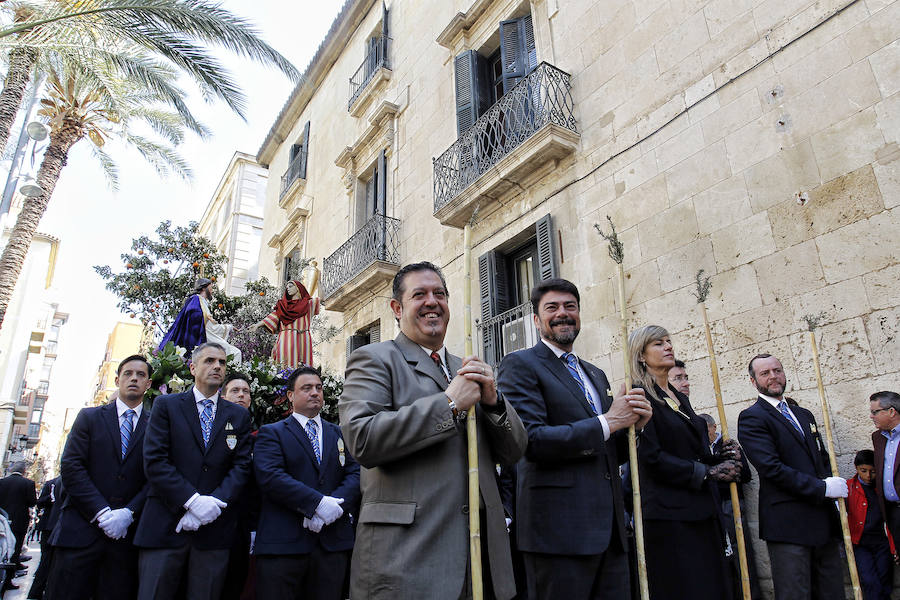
column 315, row 524
column 329, row 509
column 206, row 508
column 188, row 523
column 115, row 523
column 835, row 487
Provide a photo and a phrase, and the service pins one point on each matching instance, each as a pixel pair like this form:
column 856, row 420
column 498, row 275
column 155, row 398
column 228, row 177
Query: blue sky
column 95, row 225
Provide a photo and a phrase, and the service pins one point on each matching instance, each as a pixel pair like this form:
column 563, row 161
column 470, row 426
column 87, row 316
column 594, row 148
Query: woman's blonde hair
column 637, row 341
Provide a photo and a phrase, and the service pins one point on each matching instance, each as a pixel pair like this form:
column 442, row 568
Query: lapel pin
column 340, row 446
column 230, row 438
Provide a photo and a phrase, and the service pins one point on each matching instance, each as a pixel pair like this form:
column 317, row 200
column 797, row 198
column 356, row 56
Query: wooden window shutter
column 356, row 341
column 494, row 293
column 304, row 148
column 472, row 93
column 384, row 20
column 518, row 54
column 546, row 248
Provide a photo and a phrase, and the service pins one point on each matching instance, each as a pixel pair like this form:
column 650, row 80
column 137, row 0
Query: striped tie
column 787, row 415
column 440, row 364
column 126, row 430
column 312, row 432
column 572, row 366
column 206, row 418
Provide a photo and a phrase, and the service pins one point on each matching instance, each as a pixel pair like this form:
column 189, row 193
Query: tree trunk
column 32, row 210
column 21, row 62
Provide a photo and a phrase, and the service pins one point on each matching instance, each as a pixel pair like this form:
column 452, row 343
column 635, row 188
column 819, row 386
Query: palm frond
column 163, row 158
column 110, row 169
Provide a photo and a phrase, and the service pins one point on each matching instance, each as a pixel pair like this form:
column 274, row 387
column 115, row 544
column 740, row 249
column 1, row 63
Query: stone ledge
column 367, row 94
column 374, row 275
column 549, row 144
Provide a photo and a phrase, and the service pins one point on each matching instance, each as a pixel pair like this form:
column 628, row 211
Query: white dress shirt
column 303, row 420
column 443, row 354
column 121, row 407
column 199, row 398
column 588, row 386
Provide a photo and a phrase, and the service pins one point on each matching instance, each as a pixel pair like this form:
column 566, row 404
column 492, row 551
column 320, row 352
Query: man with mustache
column 570, row 518
column 401, row 416
column 797, row 515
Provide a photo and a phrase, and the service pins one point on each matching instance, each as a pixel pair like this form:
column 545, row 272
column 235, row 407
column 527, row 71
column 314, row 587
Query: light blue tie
column 787, row 415
column 312, row 432
column 126, row 430
column 206, row 418
column 572, row 366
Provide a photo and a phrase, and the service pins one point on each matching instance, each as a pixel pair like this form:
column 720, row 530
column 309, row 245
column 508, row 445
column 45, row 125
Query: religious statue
column 291, row 320
column 195, row 325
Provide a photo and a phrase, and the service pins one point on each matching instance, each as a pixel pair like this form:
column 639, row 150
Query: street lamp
column 36, row 132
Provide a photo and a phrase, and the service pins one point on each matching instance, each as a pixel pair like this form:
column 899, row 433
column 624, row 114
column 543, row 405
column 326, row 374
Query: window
column 291, row 269
column 371, row 334
column 481, row 80
column 371, row 196
column 506, row 276
column 297, row 156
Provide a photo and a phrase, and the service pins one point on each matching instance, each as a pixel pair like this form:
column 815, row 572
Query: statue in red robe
column 291, row 321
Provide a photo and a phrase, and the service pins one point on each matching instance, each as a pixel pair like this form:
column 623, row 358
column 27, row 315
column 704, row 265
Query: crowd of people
column 189, row 500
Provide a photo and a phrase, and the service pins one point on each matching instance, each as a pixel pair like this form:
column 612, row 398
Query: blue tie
column 126, row 430
column 206, row 418
column 787, row 415
column 312, row 432
column 572, row 366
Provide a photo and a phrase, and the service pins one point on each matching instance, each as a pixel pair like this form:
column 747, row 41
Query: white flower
column 180, row 351
column 176, row 384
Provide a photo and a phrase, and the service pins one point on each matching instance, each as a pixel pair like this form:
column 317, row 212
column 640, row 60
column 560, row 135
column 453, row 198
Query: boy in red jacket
column 873, row 545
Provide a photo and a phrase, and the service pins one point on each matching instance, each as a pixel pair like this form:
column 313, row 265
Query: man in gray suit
column 401, row 416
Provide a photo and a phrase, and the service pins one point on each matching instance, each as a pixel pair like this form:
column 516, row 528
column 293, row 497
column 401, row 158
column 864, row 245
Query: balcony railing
column 34, row 430
column 296, row 170
column 43, row 388
column 507, row 332
column 376, row 58
column 378, row 240
column 541, row 98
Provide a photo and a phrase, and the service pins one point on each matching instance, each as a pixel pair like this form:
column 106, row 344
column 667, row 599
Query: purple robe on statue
column 189, row 328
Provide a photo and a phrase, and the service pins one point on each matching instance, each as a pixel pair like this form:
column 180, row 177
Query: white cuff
column 605, row 426
column 187, row 504
column 100, row 513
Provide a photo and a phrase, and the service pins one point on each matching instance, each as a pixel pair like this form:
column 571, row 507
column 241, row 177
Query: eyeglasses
column 680, row 378
column 875, row 412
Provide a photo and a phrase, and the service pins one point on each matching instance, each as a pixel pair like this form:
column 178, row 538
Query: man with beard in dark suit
column 797, row 515
column 569, row 508
column 102, row 468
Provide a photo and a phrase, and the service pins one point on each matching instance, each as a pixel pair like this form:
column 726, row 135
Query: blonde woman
column 685, row 546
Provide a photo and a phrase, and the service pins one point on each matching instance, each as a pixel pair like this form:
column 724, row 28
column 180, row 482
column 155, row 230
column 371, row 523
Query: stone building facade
column 754, row 139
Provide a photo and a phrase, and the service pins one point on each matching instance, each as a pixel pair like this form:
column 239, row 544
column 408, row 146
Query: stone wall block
column 722, row 204
column 886, row 66
column 732, row 116
column 839, row 202
column 697, row 173
column 720, row 14
column 836, row 302
column 743, row 241
column 847, row 145
column 882, row 289
column 736, row 386
column 679, row 267
column 844, row 353
column 757, row 325
column 861, row 247
column 682, row 41
column 733, row 292
column 875, row 32
column 782, row 176
column 883, row 327
column 667, row 230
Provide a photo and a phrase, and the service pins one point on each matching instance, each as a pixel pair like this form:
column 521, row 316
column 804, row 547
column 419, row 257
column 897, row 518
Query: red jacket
column 857, row 506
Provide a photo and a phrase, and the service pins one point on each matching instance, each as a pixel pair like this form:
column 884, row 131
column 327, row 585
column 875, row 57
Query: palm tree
column 180, row 31
column 99, row 104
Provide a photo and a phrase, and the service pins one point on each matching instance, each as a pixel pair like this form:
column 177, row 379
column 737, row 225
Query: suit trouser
column 807, row 572
column 160, row 570
column 319, row 574
column 593, row 577
column 876, row 570
column 105, row 570
column 39, row 583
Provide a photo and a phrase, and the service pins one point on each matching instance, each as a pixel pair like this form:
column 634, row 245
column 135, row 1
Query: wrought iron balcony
column 369, row 258
column 376, row 59
column 296, row 170
column 507, row 332
column 531, row 125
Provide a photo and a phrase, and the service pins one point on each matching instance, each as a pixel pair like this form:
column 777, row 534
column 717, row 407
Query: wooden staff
column 703, row 287
column 617, row 253
column 471, row 426
column 812, row 321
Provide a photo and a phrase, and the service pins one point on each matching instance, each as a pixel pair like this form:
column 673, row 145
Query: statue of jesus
column 195, row 324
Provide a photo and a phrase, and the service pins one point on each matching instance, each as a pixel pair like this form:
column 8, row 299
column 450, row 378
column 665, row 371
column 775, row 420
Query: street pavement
column 24, row 582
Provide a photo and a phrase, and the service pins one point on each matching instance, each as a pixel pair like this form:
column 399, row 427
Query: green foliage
column 159, row 275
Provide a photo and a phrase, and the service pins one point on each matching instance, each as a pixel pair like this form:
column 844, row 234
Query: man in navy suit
column 197, row 459
column 569, row 516
column 310, row 488
column 797, row 516
column 102, row 469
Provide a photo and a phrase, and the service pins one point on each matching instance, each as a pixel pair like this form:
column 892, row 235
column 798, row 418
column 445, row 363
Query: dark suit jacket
column 45, row 504
column 792, row 504
column 96, row 475
column 568, row 482
column 178, row 465
column 673, row 454
column 879, row 443
column 17, row 495
column 292, row 484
